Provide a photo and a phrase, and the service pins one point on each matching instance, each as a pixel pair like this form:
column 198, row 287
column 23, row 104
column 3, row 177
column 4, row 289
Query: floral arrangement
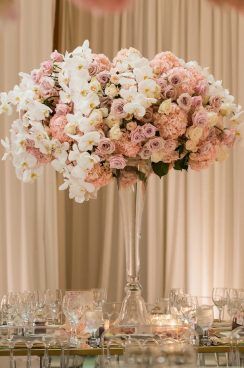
column 238, row 4
column 89, row 117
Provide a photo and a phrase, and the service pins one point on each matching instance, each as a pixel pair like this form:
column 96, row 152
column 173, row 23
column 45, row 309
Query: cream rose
column 165, row 107
column 115, row 132
column 195, row 133
column 111, row 91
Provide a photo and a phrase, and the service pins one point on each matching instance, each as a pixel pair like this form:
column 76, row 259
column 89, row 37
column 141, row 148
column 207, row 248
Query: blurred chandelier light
column 102, row 5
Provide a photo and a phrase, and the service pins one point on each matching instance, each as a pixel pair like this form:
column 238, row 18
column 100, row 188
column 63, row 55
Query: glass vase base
column 133, row 311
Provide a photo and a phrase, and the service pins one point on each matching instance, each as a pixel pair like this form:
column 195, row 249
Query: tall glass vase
column 132, row 185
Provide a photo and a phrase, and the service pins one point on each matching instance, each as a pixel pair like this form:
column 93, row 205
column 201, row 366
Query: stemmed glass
column 233, row 303
column 175, row 296
column 9, row 306
column 74, row 306
column 53, row 300
column 189, row 306
column 205, row 318
column 110, row 313
column 94, row 320
column 99, row 297
column 219, row 297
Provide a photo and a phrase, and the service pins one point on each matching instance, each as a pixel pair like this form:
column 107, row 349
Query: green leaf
column 160, row 168
column 180, row 149
column 182, row 164
column 141, row 175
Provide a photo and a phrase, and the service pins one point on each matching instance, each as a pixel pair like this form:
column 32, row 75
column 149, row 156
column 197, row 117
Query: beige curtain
column 28, row 213
column 193, row 230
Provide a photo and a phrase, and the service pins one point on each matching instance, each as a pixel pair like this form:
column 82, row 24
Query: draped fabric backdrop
column 193, row 227
column 28, row 213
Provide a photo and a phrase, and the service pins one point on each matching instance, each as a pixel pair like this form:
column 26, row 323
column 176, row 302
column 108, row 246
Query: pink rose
column 184, row 101
column 36, row 75
column 105, row 146
column 215, row 102
column 202, row 87
column 162, row 82
column 103, row 77
column 169, row 92
column 46, row 84
column 156, row 144
column 146, row 152
column 117, row 162
column 47, row 67
column 93, row 68
column 56, row 56
column 149, row 130
column 57, row 125
column 62, row 109
column 117, row 108
column 228, row 137
column 196, row 102
column 137, row 135
column 200, row 117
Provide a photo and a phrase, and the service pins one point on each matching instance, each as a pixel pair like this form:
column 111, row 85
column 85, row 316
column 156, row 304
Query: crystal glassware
column 219, row 296
column 53, row 301
column 204, row 319
column 93, row 320
column 233, row 303
column 132, row 183
column 110, row 313
column 99, row 297
column 189, row 304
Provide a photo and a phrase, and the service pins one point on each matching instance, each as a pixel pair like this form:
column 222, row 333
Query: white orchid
column 84, row 160
column 86, row 104
column 24, row 161
column 143, row 73
column 5, row 106
column 7, row 147
column 148, row 88
column 38, row 111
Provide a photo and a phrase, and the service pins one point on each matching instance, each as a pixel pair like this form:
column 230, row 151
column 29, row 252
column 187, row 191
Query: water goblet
column 233, row 303
column 219, row 297
column 189, row 304
column 175, row 296
column 99, row 297
column 110, row 313
column 205, row 318
column 75, row 305
column 94, row 320
column 9, row 307
column 53, row 301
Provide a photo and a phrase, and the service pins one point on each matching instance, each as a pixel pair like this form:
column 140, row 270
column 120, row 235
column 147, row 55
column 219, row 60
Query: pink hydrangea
column 41, row 158
column 173, row 125
column 103, row 63
column 57, row 125
column 164, row 61
column 99, row 176
column 127, row 148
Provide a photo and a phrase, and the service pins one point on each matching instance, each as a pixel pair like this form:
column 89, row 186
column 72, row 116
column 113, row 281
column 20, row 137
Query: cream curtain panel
column 193, row 230
column 28, row 213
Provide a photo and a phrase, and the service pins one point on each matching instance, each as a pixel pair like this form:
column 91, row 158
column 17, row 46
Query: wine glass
column 110, row 313
column 94, row 320
column 9, row 306
column 175, row 296
column 233, row 303
column 205, row 318
column 75, row 305
column 99, row 297
column 189, row 304
column 219, row 297
column 53, row 301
